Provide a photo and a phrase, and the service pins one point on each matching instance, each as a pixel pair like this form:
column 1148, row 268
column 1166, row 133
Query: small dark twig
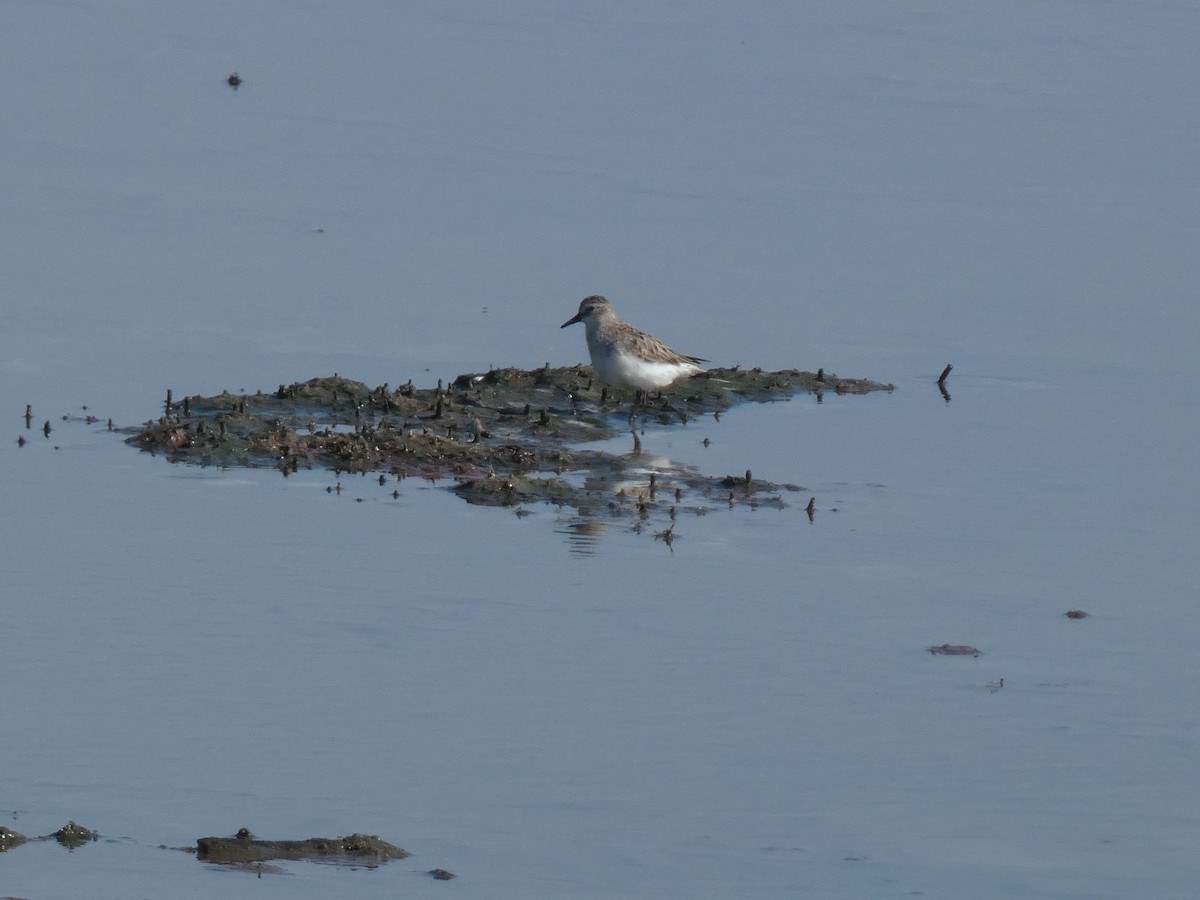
column 941, row 382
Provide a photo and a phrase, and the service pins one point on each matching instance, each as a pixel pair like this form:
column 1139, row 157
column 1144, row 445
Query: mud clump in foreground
column 71, row 836
column 358, row 849
column 246, row 852
column 506, row 436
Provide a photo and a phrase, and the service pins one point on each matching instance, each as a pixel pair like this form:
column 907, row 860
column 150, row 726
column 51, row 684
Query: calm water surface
column 549, row 712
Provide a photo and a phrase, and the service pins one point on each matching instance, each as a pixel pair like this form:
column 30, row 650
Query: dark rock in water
column 1075, row 614
column 72, row 835
column 10, row 838
column 355, row 848
column 441, row 874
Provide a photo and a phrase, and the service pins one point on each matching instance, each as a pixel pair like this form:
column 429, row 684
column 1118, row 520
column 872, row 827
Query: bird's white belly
column 630, row 370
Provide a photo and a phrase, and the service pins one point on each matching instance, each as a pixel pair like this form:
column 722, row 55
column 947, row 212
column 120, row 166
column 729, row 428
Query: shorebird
column 625, row 356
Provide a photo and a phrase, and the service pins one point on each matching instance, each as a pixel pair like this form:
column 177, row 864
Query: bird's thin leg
column 633, row 408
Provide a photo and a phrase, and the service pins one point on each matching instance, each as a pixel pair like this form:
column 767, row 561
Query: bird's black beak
column 571, row 321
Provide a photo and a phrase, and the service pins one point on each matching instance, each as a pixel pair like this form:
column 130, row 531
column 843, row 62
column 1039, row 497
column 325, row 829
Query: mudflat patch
column 504, row 437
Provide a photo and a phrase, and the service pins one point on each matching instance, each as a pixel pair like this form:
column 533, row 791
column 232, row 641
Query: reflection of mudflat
column 583, row 535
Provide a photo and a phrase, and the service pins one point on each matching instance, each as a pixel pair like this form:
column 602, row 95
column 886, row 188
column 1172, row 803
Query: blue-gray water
column 427, row 189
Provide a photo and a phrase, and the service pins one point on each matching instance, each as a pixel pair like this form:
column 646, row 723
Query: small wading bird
column 624, row 356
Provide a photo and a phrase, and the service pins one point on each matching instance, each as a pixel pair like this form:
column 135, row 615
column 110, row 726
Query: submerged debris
column 1075, row 614
column 507, row 436
column 954, row 650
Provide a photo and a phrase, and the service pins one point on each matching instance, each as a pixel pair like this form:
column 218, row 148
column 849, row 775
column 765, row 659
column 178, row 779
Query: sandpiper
column 623, row 355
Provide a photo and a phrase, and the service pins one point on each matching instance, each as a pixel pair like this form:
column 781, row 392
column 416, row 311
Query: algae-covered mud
column 245, row 851
column 246, row 848
column 70, row 836
column 506, row 436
